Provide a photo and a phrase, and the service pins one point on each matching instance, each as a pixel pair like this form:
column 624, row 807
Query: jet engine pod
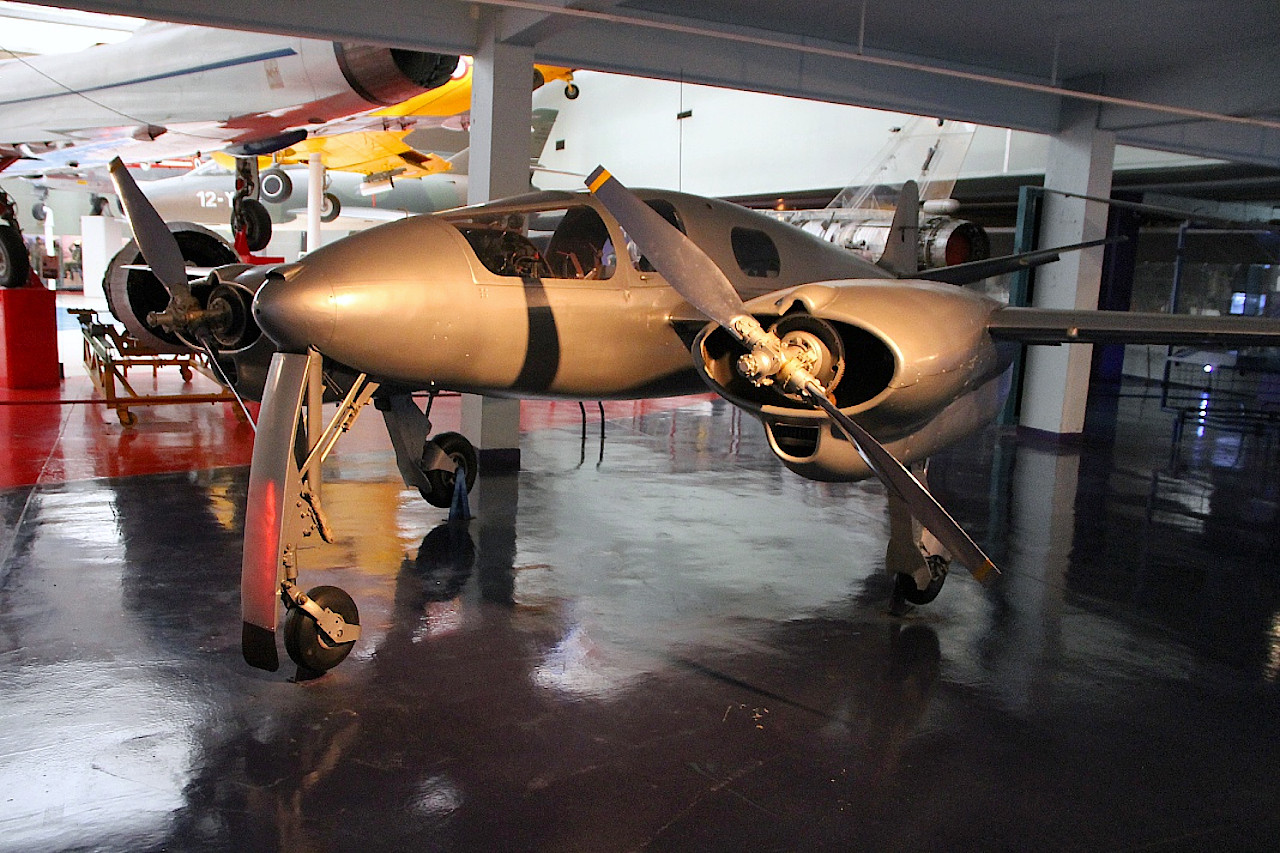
column 387, row 76
column 132, row 294
column 946, row 241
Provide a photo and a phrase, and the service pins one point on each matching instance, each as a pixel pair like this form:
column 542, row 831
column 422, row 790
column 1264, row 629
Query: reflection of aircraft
column 172, row 90
column 923, row 150
column 853, row 372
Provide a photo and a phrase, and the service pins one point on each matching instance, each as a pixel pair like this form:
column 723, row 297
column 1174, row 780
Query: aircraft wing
column 454, row 97
column 368, row 153
column 1052, row 326
column 171, row 90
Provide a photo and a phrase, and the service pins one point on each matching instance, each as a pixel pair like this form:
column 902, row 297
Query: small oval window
column 755, row 253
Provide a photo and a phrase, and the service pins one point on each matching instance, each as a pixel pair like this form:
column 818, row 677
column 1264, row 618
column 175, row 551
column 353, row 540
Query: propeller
column 154, row 238
column 768, row 361
column 160, row 249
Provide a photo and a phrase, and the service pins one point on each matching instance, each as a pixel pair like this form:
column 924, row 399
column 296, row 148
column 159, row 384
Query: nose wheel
column 307, row 634
column 906, row 591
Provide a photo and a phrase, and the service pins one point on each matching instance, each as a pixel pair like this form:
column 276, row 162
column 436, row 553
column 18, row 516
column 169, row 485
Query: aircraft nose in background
column 297, row 313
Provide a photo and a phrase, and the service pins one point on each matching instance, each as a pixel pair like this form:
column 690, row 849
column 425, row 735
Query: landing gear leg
column 429, row 465
column 283, row 509
column 917, row 561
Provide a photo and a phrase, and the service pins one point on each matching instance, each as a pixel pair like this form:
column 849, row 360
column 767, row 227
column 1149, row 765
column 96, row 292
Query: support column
column 1056, row 381
column 499, row 166
column 315, row 198
column 100, row 238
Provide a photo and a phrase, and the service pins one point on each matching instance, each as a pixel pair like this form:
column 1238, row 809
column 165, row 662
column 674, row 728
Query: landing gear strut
column 917, row 561
column 284, row 508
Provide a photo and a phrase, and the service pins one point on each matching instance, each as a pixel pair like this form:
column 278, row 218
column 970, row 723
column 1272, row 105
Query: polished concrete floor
column 661, row 641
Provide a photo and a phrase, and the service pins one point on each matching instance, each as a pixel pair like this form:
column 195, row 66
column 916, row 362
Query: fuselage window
column 755, row 253
column 578, row 247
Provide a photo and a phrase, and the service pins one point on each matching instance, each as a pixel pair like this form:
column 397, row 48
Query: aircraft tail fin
column 902, row 248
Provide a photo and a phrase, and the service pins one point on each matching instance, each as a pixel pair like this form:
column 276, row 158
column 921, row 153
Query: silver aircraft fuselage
column 501, row 300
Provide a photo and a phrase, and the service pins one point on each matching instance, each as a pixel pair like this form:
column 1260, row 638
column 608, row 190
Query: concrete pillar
column 499, row 166
column 315, row 198
column 100, row 238
column 1080, row 160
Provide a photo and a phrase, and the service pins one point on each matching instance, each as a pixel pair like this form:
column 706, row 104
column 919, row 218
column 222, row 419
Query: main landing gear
column 322, row 624
column 917, row 561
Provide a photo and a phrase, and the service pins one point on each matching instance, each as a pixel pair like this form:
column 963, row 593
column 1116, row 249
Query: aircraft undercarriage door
column 271, row 530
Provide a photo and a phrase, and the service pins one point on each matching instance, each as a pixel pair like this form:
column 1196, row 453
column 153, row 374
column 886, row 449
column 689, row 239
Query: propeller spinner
column 792, row 364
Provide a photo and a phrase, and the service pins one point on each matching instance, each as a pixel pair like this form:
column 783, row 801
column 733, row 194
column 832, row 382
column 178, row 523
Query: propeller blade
column 206, row 341
column 924, row 506
column 685, row 266
column 154, row 238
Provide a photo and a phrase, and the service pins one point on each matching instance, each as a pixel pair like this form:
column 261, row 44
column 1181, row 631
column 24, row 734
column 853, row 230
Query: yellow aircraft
column 383, row 151
column 371, row 144
column 454, row 97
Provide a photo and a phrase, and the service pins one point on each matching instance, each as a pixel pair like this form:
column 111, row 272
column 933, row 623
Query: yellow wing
column 454, row 97
column 370, row 152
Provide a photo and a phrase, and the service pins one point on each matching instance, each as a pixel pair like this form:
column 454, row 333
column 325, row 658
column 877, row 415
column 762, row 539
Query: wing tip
column 985, row 573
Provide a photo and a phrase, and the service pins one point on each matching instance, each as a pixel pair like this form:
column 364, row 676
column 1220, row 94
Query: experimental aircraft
column 610, row 294
column 927, row 151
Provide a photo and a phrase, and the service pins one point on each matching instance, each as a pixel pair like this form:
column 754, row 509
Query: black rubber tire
column 572, row 92
column 302, row 637
column 330, row 207
column 15, row 265
column 255, row 221
column 905, row 589
column 442, row 483
column 275, row 186
column 38, row 212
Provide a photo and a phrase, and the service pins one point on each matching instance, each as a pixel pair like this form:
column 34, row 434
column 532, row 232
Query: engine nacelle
column 919, row 371
column 387, row 76
column 133, row 294
column 944, row 240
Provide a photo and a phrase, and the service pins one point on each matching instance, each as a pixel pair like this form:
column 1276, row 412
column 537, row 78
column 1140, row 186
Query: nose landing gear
column 321, row 627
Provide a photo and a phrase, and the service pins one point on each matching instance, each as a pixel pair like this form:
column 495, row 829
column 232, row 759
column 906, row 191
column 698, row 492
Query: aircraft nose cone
column 297, row 312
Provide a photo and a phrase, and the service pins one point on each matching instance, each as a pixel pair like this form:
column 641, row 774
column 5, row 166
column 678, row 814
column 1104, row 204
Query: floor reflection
column 680, row 647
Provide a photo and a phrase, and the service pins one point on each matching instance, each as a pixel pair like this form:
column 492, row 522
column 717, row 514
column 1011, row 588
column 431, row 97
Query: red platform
column 28, row 338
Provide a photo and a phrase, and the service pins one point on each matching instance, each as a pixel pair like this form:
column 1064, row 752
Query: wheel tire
column 15, row 265
column 442, row 483
column 572, row 92
column 905, row 589
column 303, row 639
column 275, row 186
column 330, row 207
column 255, row 221
column 38, row 211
